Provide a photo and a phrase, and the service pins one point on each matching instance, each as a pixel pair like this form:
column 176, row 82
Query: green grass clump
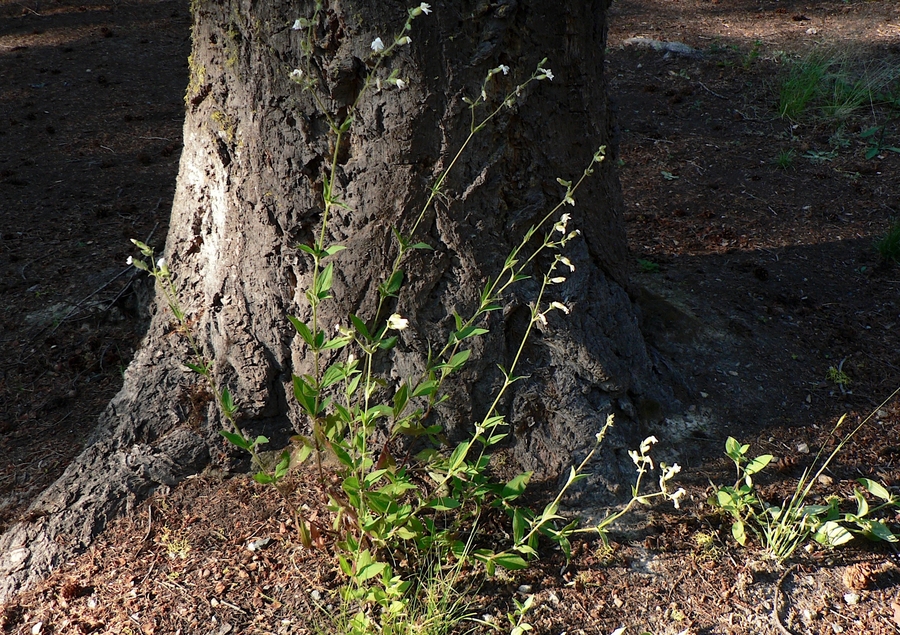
column 888, row 246
column 835, row 85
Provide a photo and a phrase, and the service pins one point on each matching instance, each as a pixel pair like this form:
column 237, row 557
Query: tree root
column 776, row 610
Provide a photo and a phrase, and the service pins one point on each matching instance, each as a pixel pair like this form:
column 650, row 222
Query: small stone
column 704, row 394
column 525, row 588
column 315, row 595
column 851, row 598
column 803, row 448
column 37, row 628
column 825, row 480
column 256, row 545
column 837, row 628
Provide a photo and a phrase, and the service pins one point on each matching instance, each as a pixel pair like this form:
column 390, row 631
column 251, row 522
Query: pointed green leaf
column 831, row 534
column 514, row 488
column 879, row 531
column 510, row 561
column 200, row 370
column 360, row 327
column 444, row 504
column 758, row 464
column 393, row 284
column 263, row 479
column 737, row 530
column 302, row 329
column 236, row 439
column 875, row 488
column 425, row 388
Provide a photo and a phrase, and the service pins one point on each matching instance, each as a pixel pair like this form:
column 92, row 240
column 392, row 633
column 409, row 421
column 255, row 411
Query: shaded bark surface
column 249, row 190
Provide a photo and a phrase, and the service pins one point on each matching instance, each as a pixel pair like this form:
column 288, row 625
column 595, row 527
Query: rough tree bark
column 249, row 190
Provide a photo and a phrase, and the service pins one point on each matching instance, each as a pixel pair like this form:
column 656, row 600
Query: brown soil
column 767, row 277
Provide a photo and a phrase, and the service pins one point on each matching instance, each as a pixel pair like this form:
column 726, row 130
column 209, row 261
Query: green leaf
column 337, row 342
column 861, row 502
column 303, row 330
column 875, row 488
column 263, row 479
column 422, row 246
column 737, row 530
column 389, row 343
column 832, row 534
column 879, row 531
column 510, row 561
column 360, row 327
column 393, row 284
column 260, row 440
column 323, row 281
column 469, row 331
column 228, row 403
column 514, row 488
column 456, row 362
column 732, row 448
column 758, row 464
column 346, row 569
column 425, row 388
column 333, row 374
column 236, row 439
column 401, row 398
column 458, row 456
column 519, row 524
column 370, row 571
column 200, row 370
column 330, row 251
column 444, row 504
column 310, row 250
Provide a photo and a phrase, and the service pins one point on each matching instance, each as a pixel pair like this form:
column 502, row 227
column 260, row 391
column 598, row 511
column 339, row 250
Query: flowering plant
column 429, row 502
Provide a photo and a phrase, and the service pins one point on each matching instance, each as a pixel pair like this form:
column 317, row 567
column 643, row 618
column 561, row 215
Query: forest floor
column 754, row 240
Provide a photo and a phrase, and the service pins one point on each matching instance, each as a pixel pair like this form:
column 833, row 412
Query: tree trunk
column 249, row 190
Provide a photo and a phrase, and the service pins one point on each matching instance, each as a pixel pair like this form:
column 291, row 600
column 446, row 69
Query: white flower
column 637, row 458
column 669, row 472
column 351, row 359
column 541, row 318
column 557, row 280
column 130, row 261
column 561, row 225
column 559, row 305
column 404, row 40
column 425, row 8
column 397, row 323
column 646, row 443
column 504, row 68
column 545, row 72
column 400, row 84
column 297, row 25
column 296, row 75
column 160, row 263
column 377, row 45
column 567, row 263
column 676, row 497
